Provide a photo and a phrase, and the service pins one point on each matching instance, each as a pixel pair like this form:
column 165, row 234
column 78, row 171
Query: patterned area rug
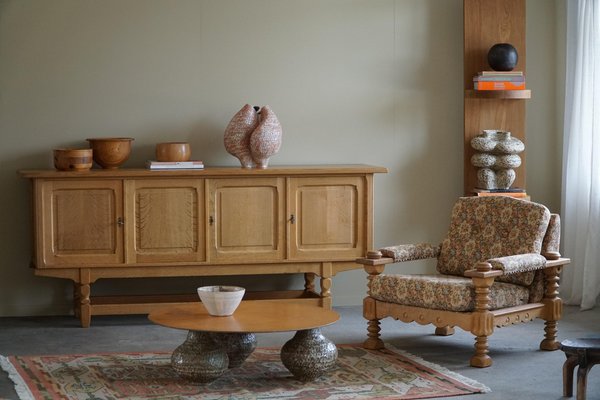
column 359, row 374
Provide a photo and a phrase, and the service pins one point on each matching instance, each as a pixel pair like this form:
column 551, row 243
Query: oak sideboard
column 131, row 223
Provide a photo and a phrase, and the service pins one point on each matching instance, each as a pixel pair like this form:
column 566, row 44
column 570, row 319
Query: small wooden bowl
column 110, row 153
column 73, row 159
column 173, row 151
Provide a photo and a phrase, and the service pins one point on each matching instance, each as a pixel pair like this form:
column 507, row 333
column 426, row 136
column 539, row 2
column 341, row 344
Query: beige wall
column 352, row 81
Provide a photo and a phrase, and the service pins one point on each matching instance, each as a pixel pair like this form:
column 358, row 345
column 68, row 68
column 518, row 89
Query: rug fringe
column 442, row 370
column 20, row 386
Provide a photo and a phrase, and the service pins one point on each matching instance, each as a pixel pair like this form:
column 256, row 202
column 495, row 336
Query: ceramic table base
column 205, row 356
column 237, row 345
column 199, row 358
column 308, row 354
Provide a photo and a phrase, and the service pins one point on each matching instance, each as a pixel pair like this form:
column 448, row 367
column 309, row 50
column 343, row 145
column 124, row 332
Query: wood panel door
column 167, row 220
column 81, row 222
column 327, row 218
column 246, row 219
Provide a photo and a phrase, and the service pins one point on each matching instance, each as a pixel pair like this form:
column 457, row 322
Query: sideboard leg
column 76, row 301
column 326, row 274
column 309, row 282
column 85, row 309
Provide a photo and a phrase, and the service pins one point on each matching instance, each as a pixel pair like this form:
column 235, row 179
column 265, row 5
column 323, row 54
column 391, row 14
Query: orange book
column 499, row 85
column 519, row 195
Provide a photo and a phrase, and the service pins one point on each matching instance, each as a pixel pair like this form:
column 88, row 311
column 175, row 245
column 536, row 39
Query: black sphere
column 502, row 57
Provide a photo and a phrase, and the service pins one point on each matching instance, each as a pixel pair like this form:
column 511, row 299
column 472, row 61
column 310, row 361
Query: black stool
column 582, row 352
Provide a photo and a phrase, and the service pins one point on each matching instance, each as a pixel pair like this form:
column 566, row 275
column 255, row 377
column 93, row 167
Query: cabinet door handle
column 120, row 221
column 292, row 219
column 211, row 220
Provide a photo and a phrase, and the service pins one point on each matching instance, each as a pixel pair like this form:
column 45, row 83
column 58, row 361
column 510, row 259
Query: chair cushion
column 489, row 227
column 443, row 292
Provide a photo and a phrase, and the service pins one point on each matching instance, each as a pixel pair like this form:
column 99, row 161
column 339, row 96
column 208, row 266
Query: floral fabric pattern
column 551, row 242
column 482, row 228
column 537, row 288
column 552, row 239
column 443, row 292
column 519, row 269
column 409, row 252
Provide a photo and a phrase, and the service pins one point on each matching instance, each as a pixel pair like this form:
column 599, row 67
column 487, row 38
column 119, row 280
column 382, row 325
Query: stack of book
column 174, row 165
column 512, row 192
column 499, row 80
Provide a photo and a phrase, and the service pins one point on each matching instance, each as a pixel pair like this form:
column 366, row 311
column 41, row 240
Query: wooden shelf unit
column 487, row 22
column 137, row 223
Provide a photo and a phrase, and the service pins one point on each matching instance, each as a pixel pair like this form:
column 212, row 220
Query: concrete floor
column 520, row 370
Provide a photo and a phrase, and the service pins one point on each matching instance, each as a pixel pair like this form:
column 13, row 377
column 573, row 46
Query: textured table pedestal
column 199, row 358
column 215, row 344
column 309, row 354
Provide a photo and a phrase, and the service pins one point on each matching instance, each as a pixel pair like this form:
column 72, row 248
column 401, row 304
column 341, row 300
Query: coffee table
column 214, row 344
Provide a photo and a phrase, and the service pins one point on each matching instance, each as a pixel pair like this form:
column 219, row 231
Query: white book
column 175, row 165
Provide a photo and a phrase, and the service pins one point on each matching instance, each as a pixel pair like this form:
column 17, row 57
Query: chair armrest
column 518, row 263
column 410, row 252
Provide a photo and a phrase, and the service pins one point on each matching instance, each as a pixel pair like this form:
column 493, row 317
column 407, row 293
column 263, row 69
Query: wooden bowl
column 110, row 153
column 173, row 151
column 72, row 159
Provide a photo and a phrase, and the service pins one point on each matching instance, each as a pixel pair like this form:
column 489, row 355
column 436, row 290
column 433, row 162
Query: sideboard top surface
column 206, row 172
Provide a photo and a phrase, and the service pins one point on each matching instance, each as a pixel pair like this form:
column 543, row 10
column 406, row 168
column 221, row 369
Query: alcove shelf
column 498, row 94
column 487, row 22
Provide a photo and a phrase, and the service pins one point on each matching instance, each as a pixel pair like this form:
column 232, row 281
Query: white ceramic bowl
column 221, row 300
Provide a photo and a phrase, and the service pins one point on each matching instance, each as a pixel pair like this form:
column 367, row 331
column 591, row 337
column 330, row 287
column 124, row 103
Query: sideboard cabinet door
column 246, row 219
column 327, row 218
column 81, row 222
column 167, row 220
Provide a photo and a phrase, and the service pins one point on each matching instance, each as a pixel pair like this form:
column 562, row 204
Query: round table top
column 581, row 344
column 252, row 316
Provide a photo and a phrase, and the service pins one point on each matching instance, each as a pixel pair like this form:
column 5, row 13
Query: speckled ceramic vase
column 496, row 159
column 199, row 358
column 309, row 354
column 266, row 138
column 238, row 346
column 238, row 132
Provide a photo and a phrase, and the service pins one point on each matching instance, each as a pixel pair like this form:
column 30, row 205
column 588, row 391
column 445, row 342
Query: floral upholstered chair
column 498, row 266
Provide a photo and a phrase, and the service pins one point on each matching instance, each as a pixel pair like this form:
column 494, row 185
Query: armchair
column 497, row 266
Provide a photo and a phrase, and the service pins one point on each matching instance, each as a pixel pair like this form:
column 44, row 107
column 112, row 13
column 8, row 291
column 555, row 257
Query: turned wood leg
column 481, row 358
column 568, row 368
column 553, row 309
column 483, row 320
column 550, row 343
column 85, row 309
column 76, row 300
column 309, row 282
column 444, row 331
column 373, row 342
column 326, row 292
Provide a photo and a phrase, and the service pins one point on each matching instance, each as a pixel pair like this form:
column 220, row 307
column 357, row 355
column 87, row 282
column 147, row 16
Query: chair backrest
column 492, row 226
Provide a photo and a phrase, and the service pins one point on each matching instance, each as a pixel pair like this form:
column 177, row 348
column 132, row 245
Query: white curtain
column 580, row 281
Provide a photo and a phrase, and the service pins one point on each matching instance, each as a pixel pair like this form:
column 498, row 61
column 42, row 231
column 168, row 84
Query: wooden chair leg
column 582, row 372
column 444, row 331
column 481, row 358
column 568, row 368
column 553, row 309
column 373, row 342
